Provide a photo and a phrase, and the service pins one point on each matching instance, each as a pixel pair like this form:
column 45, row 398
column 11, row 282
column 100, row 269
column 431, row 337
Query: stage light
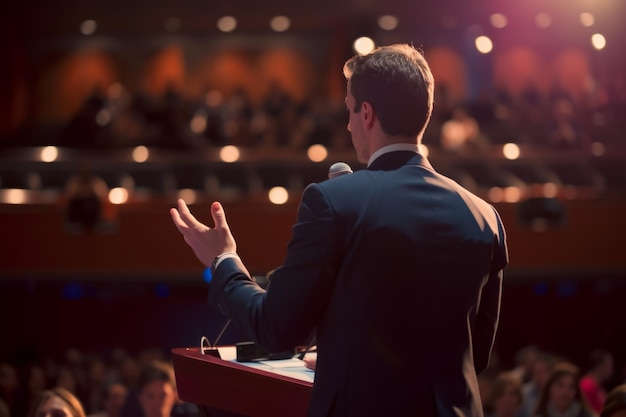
column 496, row 194
column 229, row 153
column 363, row 45
column 388, row 22
column 511, row 151
column 115, row 90
column 278, row 195
column 140, row 154
column 88, row 27
column 49, row 154
column 587, row 19
column 189, row 195
column 483, row 44
column 14, row 196
column 213, row 98
column 512, row 194
column 317, row 153
column 597, row 149
column 227, row 23
column 103, row 117
column 498, row 20
column 598, row 41
column 543, row 20
column 118, row 195
column 280, row 23
column 550, row 190
column 198, row 123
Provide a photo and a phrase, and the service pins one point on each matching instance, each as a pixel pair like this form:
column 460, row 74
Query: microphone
column 338, row 169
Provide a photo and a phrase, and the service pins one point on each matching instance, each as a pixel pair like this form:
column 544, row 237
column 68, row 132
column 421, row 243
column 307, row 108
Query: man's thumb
column 219, row 217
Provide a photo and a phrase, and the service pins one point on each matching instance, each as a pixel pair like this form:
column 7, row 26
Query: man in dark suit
column 397, row 268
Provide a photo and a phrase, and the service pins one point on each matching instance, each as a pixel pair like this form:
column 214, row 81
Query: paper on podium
column 293, row 367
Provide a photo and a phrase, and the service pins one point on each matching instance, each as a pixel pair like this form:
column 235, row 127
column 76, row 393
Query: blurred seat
column 487, row 175
column 149, row 180
column 575, row 173
column 20, row 179
column 278, row 175
column 530, row 172
column 613, row 173
column 233, row 180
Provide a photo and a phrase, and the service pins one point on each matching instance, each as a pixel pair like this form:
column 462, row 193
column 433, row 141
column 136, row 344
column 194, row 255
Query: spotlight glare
column 483, row 44
column 598, row 41
column 140, row 154
column 88, row 27
column 511, row 151
column 280, row 23
column 278, row 195
column 388, row 22
column 363, row 45
column 587, row 19
column 317, row 153
column 227, row 23
column 15, row 196
column 229, row 153
column 49, row 154
column 543, row 20
column 498, row 20
column 118, row 195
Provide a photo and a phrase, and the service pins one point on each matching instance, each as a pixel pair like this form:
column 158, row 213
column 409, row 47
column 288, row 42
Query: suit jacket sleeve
column 488, row 313
column 285, row 314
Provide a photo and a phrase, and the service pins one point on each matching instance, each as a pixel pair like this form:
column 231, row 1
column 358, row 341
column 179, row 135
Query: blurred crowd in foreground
column 118, row 384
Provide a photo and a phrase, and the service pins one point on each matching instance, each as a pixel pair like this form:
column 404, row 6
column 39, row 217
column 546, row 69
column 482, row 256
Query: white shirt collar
column 393, row 148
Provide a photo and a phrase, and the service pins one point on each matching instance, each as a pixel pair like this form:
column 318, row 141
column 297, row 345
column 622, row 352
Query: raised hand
column 206, row 242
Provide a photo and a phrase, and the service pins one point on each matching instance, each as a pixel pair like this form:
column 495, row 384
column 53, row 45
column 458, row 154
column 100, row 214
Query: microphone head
column 338, row 169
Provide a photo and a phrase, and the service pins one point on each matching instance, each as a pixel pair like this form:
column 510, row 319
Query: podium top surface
column 250, row 389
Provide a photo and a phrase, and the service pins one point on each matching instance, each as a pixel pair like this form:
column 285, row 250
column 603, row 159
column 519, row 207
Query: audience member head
column 157, row 389
column 114, row 398
column 4, row 409
column 601, row 365
column 396, row 82
column 561, row 391
column 615, row 403
column 540, row 369
column 57, row 402
column 524, row 358
column 505, row 395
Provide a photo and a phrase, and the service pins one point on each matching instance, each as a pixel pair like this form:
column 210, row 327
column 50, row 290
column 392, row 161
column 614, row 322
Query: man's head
column 395, row 83
column 157, row 389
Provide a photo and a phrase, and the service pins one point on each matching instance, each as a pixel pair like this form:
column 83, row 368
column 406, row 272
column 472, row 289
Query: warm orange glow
column 166, row 69
column 67, row 83
column 517, row 68
column 449, row 69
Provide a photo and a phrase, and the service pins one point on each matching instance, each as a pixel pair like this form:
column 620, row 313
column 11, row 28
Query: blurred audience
column 600, row 371
column 539, row 373
column 57, row 402
column 505, row 396
column 114, row 397
column 561, row 395
column 119, row 384
column 615, row 404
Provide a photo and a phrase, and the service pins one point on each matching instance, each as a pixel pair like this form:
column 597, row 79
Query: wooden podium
column 213, row 383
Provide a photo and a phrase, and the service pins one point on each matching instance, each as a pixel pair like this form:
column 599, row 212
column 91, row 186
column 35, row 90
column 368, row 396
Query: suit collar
column 394, row 160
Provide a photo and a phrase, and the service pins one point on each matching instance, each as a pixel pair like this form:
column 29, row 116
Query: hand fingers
column 185, row 215
column 219, row 216
column 178, row 222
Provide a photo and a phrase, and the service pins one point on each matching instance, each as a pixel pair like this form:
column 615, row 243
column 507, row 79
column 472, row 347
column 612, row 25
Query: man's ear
column 368, row 115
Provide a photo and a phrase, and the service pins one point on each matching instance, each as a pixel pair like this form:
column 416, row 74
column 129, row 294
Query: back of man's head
column 396, row 80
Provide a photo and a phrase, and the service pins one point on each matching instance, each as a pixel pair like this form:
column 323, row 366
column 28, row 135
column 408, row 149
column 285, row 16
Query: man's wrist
column 219, row 258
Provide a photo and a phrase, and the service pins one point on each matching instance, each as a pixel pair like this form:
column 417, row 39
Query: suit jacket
column 399, row 270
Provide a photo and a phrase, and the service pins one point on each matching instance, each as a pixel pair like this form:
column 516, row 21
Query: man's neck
column 393, row 148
